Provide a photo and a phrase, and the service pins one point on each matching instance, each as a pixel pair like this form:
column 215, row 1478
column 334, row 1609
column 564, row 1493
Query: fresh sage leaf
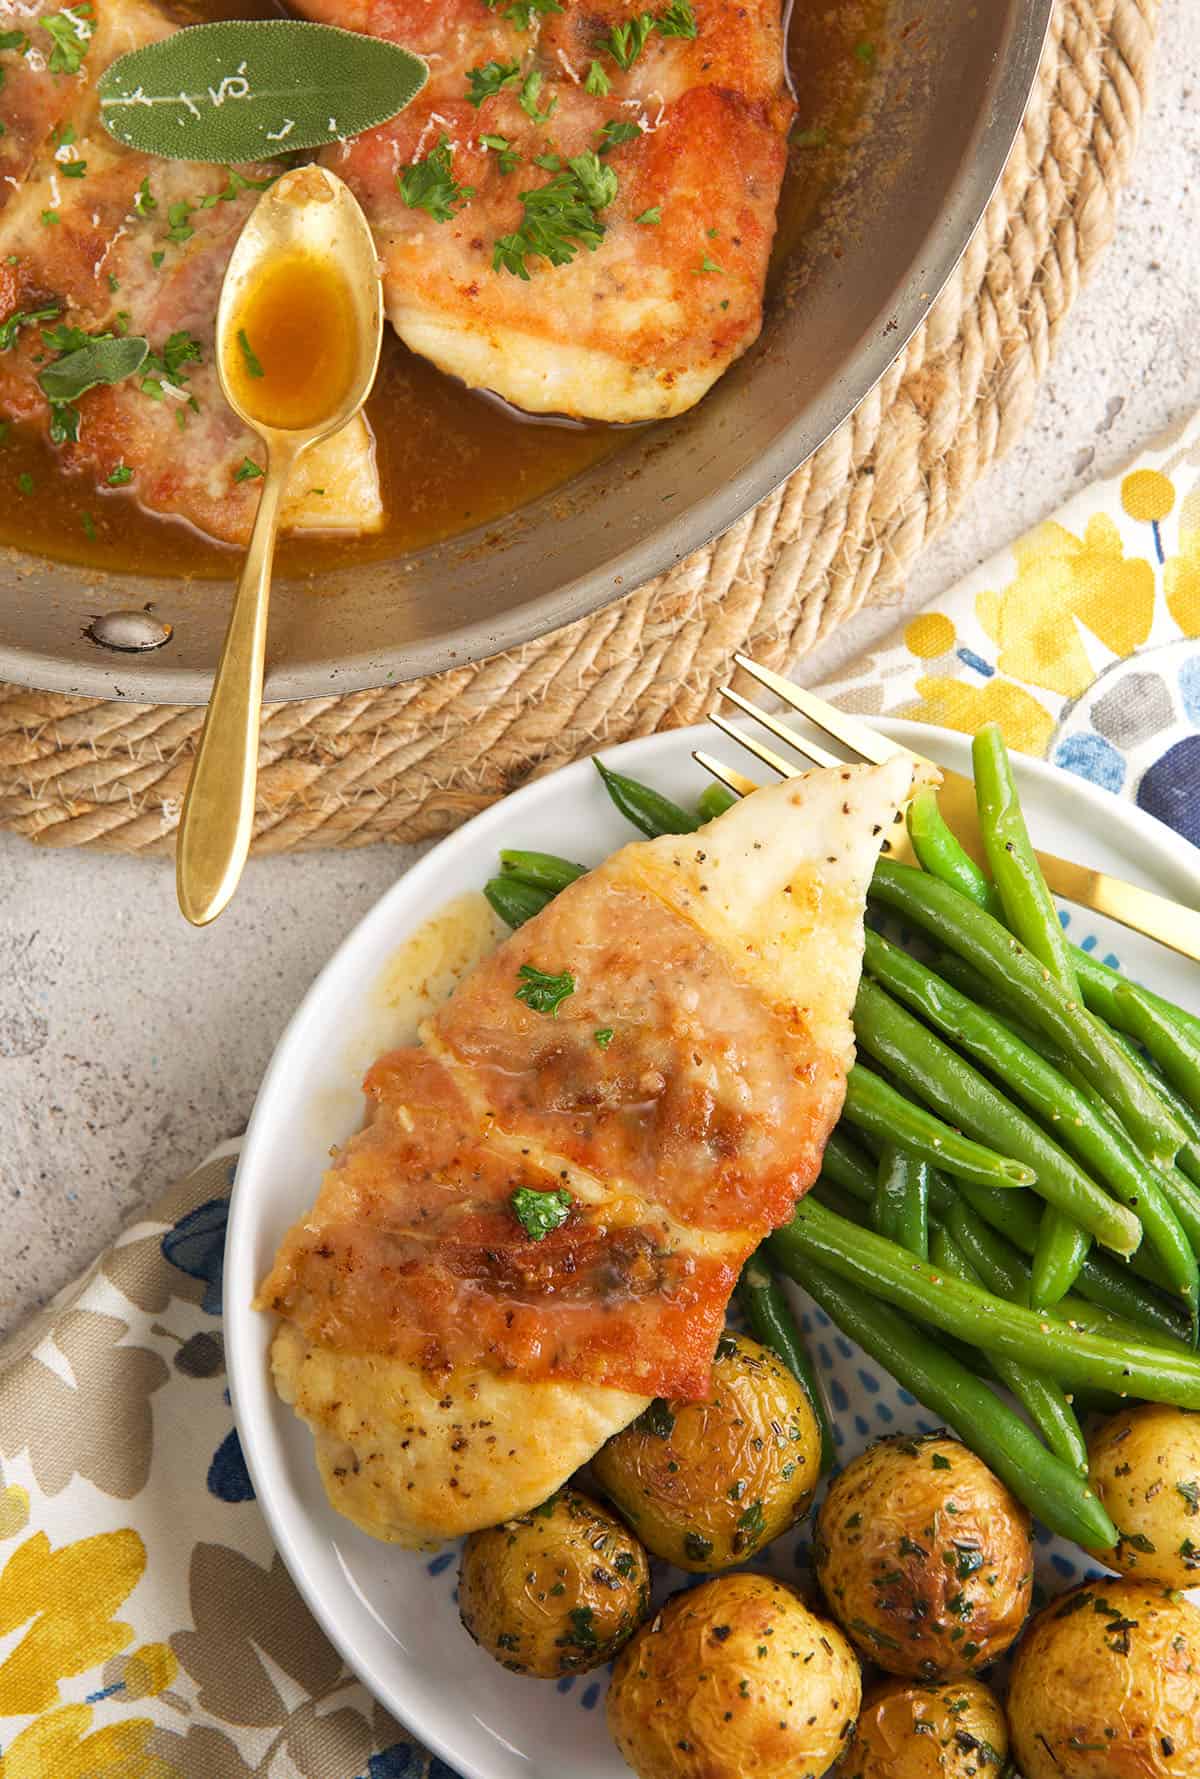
column 248, row 89
column 100, row 361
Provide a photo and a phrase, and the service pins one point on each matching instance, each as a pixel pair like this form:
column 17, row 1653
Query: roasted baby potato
column 558, row 1590
column 910, row 1729
column 706, row 1484
column 924, row 1557
column 1145, row 1467
column 735, row 1679
column 1106, row 1685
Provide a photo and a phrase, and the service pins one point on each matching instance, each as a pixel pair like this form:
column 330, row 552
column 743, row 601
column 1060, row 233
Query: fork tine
column 759, row 749
column 729, row 776
column 820, row 756
column 860, row 737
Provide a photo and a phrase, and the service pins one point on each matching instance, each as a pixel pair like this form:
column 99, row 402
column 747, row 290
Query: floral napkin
column 147, row 1628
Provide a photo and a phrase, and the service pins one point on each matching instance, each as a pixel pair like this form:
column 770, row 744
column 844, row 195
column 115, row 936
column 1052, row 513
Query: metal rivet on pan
column 129, row 632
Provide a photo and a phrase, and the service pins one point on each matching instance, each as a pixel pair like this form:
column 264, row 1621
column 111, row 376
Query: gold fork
column 1168, row 922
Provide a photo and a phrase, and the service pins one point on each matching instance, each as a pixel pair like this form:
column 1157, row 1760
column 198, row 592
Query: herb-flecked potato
column 706, row 1484
column 558, row 1590
column 1106, row 1685
column 924, row 1557
column 1144, row 1465
column 912, row 1729
column 735, row 1679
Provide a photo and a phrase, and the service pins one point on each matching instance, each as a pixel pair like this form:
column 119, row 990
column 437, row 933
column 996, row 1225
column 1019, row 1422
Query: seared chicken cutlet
column 540, row 1226
column 96, row 239
column 654, row 158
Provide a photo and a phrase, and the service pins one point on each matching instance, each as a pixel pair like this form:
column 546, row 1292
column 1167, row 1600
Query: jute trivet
column 416, row 759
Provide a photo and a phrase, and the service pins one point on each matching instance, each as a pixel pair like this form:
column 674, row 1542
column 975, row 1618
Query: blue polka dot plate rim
column 392, row 1613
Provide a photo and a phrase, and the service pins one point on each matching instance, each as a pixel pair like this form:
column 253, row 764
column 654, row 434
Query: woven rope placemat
column 414, row 760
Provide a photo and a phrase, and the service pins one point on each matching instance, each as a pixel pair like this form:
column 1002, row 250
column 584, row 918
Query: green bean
column 713, row 801
column 875, row 1105
column 1044, row 1401
column 1094, row 1135
column 1099, row 983
column 845, row 1164
column 541, row 870
column 1110, row 1288
column 1055, row 1493
column 940, row 852
column 1152, row 1371
column 955, row 922
column 900, row 1208
column 514, row 901
column 1062, row 1247
column 1029, row 910
column 1175, row 1051
column 647, row 809
column 926, row 1066
column 771, row 1321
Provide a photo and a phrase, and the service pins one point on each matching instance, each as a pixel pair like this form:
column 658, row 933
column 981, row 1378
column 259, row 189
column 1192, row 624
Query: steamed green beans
column 927, row 1067
column 1029, row 910
column 1100, row 1142
column 1058, row 1495
column 647, row 809
column 900, row 1208
column 875, row 1104
column 955, row 922
column 515, row 902
column 1136, row 1368
column 541, row 870
column 713, row 801
column 1062, row 1247
column 771, row 1321
column 940, row 853
column 1044, row 1401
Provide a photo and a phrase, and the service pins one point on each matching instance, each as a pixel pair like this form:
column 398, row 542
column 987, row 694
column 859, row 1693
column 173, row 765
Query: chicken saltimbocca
column 576, row 214
column 540, row 1225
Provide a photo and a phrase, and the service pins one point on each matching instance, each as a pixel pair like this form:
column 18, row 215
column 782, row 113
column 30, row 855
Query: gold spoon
column 299, row 327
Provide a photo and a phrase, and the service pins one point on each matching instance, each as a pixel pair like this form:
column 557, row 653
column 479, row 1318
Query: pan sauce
column 449, row 459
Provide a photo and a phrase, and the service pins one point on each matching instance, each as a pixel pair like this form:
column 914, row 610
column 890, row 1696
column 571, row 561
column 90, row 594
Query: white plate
column 390, row 1612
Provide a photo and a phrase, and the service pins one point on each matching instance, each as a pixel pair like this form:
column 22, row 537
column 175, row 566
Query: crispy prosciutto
column 96, row 239
column 545, row 1214
column 685, row 126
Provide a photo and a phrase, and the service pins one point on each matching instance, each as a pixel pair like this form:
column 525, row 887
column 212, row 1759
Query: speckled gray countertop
column 129, row 1044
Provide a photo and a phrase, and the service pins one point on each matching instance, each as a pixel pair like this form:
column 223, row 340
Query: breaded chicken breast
column 577, row 211
column 540, row 1226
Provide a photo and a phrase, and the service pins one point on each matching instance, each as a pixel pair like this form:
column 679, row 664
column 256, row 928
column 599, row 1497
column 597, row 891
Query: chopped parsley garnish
column 542, row 992
column 120, row 475
column 559, row 217
column 707, row 265
column 696, row 1548
column 64, row 423
column 89, row 527
column 678, row 20
column 430, row 184
column 23, row 318
column 527, row 99
column 540, row 1213
column 156, row 259
column 73, row 169
column 582, row 1630
column 865, row 52
column 247, row 470
column 72, row 33
column 50, row 218
column 615, row 132
column 750, row 1527
column 1191, row 1494
column 144, row 200
column 625, row 43
column 550, row 163
column 507, row 158
column 249, row 357
column 811, row 138
column 604, row 1036
column 484, row 83
column 179, row 226
column 25, row 482
column 658, row 1419
column 181, row 348
column 653, row 215
column 523, row 12
column 14, row 40
column 596, row 82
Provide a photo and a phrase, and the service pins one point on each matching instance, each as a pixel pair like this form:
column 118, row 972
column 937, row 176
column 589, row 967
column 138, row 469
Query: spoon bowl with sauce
column 299, row 330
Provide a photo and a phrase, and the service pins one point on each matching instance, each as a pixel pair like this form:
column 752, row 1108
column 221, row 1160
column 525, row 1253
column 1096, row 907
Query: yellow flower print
column 1181, row 576
column 1148, row 495
column 58, row 1746
column 1061, row 577
column 955, row 704
column 67, row 1598
column 14, row 1510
